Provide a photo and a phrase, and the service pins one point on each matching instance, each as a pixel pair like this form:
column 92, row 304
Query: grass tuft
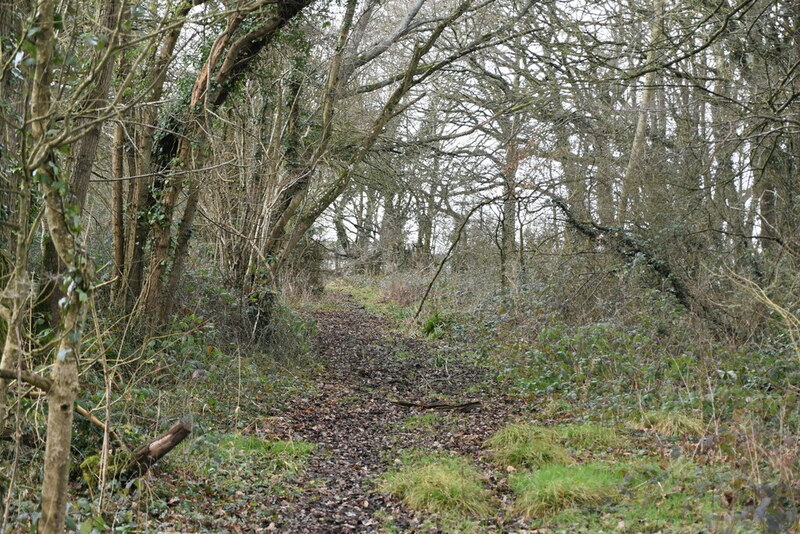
column 435, row 325
column 675, row 424
column 440, row 484
column 557, row 487
column 589, row 436
column 523, row 445
column 280, row 455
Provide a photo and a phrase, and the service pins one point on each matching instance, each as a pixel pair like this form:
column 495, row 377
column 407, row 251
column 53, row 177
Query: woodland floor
column 350, row 431
column 360, row 432
column 345, row 410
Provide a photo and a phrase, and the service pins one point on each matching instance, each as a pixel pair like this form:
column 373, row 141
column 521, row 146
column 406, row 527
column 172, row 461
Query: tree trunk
column 766, row 192
column 631, row 181
column 230, row 56
column 142, row 200
column 15, row 224
column 86, row 152
column 64, row 390
column 118, row 207
column 181, row 250
column 95, row 103
column 508, row 228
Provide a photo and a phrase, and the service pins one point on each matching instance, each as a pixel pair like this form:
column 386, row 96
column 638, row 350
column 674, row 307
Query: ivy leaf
column 62, row 354
column 90, row 39
column 29, row 47
column 60, row 188
column 93, row 40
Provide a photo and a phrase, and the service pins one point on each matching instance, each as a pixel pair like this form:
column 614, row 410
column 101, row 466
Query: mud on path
column 360, row 433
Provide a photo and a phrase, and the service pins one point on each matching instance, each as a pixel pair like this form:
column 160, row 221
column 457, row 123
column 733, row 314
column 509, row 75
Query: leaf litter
column 360, row 432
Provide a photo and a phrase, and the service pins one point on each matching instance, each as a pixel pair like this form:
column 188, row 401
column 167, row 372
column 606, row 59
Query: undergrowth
column 197, row 367
column 620, row 384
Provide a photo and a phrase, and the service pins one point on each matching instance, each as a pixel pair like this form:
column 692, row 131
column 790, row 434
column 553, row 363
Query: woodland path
column 360, row 434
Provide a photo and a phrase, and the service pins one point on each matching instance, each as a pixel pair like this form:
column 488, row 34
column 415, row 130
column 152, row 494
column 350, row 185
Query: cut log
column 141, row 459
column 148, row 454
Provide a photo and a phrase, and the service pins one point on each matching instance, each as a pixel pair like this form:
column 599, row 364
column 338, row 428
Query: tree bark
column 508, row 228
column 64, row 390
column 118, row 206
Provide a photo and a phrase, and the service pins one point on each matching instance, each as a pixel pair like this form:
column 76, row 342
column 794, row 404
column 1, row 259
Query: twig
column 446, row 257
column 459, row 406
column 43, row 383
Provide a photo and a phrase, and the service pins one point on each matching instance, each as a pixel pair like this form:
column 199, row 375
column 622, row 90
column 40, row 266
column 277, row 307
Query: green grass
column 589, row 436
column 521, row 445
column 684, row 497
column 554, row 488
column 369, row 296
column 675, row 424
column 440, row 484
column 436, row 323
column 680, row 497
column 251, row 452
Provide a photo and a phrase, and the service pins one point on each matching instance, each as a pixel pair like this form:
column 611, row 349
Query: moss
column 90, row 468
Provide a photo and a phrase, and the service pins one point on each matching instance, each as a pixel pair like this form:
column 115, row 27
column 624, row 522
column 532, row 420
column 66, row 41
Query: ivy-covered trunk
column 60, row 214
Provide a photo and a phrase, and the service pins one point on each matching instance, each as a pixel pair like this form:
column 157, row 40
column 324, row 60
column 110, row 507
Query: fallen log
column 140, row 460
column 438, row 405
column 149, row 453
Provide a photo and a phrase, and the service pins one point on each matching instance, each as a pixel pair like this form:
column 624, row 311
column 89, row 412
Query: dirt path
column 360, row 433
